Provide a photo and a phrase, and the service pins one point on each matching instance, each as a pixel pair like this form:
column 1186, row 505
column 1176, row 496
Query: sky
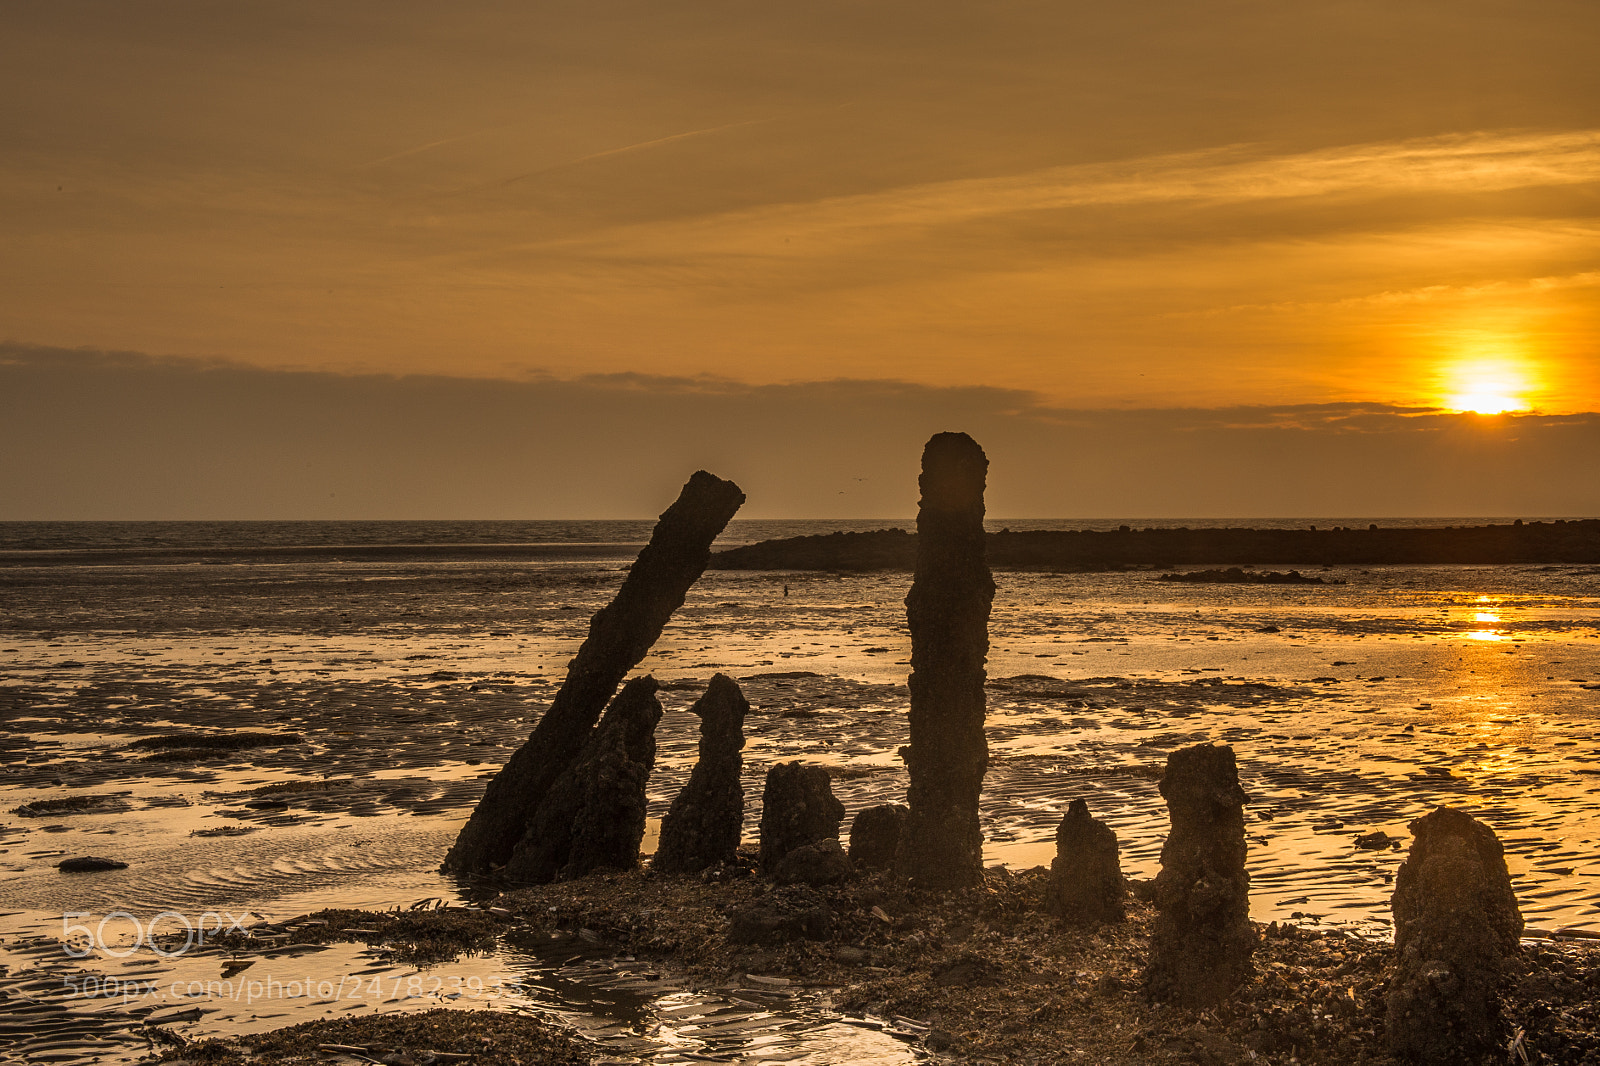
column 405, row 259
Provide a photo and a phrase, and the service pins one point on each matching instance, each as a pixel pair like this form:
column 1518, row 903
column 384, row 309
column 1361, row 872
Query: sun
column 1487, row 386
column 1485, row 403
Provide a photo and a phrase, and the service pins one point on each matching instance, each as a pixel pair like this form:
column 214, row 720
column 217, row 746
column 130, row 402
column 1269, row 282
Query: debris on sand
column 436, row 1036
column 96, row 803
column 192, row 746
column 417, row 937
column 1005, row 982
column 89, row 864
column 982, row 974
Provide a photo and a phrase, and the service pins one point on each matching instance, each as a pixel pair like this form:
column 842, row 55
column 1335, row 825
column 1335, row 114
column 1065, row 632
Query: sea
column 393, row 666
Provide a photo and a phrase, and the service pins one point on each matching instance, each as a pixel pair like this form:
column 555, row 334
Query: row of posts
column 572, row 799
column 1456, row 920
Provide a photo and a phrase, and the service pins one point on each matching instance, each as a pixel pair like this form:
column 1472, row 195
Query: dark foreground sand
column 981, row 977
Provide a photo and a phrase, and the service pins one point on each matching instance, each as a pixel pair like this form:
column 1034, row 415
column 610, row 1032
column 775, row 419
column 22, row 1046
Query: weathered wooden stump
column 875, row 834
column 620, row 635
column 941, row 846
column 1456, row 927
column 797, row 808
column 1202, row 940
column 701, row 828
column 1086, row 884
column 821, row 862
column 592, row 816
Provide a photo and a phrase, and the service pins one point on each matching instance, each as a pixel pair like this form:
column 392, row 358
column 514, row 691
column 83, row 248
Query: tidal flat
column 269, row 739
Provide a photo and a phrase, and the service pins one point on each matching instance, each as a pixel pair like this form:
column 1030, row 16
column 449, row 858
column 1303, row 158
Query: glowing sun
column 1487, row 387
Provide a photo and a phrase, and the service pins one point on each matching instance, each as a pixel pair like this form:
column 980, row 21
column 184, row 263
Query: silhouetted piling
column 822, row 862
column 797, row 808
column 1086, row 884
column 1456, row 926
column 875, row 835
column 947, row 608
column 620, row 635
column 702, row 826
column 1202, row 940
column 592, row 816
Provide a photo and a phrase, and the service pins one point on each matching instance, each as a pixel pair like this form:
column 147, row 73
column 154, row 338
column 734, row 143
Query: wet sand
column 1353, row 709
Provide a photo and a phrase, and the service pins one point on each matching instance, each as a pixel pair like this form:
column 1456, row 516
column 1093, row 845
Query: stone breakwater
column 896, row 549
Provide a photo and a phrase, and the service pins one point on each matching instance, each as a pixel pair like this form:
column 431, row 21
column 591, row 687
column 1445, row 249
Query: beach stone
column 593, row 815
column 797, row 808
column 1376, row 841
column 967, row 970
column 701, row 828
column 771, row 923
column 821, row 863
column 941, row 846
column 875, row 834
column 89, row 864
column 1086, row 877
column 620, row 635
column 1456, row 928
column 1201, row 940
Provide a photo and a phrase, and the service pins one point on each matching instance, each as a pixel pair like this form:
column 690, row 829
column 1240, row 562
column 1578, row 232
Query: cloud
column 1227, row 176
column 92, row 434
column 654, row 142
column 1111, row 203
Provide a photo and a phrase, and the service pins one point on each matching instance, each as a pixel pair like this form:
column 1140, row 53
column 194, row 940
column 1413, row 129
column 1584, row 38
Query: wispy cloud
column 1500, row 289
column 431, row 145
column 1238, row 174
column 655, row 142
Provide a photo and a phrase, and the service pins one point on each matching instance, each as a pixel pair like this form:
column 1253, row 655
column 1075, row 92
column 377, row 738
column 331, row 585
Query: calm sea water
column 208, row 536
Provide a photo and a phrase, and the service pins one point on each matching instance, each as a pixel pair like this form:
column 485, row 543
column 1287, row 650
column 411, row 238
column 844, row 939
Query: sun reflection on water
column 1487, row 616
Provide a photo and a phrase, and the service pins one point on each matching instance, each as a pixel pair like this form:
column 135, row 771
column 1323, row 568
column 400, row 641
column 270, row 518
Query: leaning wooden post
column 620, row 635
column 947, row 608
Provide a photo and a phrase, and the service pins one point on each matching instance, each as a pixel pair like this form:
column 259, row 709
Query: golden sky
column 1134, row 205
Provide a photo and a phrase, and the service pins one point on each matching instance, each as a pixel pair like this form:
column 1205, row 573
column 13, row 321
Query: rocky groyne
column 1576, row 541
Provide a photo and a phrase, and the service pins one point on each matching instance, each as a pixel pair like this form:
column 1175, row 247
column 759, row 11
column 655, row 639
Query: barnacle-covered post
column 941, row 846
column 620, row 634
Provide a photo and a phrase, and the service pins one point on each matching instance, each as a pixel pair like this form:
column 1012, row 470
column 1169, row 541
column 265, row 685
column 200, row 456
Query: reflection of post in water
column 947, row 609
